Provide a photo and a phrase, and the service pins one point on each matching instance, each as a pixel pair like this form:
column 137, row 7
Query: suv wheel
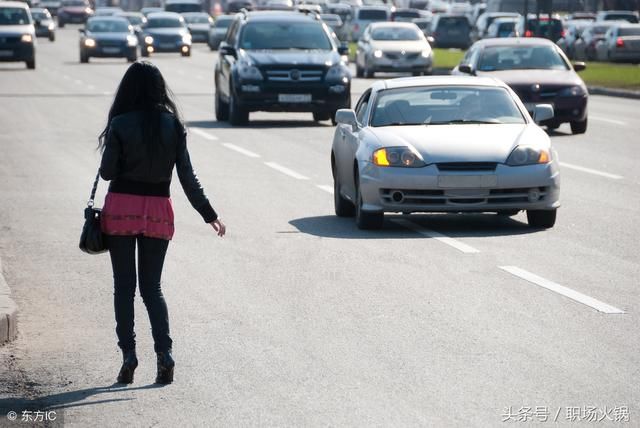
column 31, row 64
column 366, row 220
column 541, row 218
column 237, row 114
column 222, row 108
column 84, row 58
column 319, row 116
column 359, row 71
column 579, row 127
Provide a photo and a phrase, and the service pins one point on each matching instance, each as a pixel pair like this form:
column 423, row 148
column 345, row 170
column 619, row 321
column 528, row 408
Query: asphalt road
column 297, row 318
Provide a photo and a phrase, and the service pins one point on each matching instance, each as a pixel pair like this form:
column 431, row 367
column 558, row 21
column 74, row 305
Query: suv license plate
column 111, row 50
column 294, row 98
column 6, row 53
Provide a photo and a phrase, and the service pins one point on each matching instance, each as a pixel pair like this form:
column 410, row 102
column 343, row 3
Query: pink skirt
column 126, row 215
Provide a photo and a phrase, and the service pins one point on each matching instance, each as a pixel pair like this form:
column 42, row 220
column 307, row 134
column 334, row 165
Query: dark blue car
column 108, row 37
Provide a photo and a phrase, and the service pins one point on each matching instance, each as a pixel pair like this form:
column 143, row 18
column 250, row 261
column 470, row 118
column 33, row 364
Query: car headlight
column 523, row 155
column 186, row 38
column 378, row 53
column 573, row 91
column 51, row 26
column 426, row 53
column 398, row 156
column 249, row 72
column 90, row 43
column 26, row 38
column 338, row 73
column 88, row 11
column 132, row 40
column 148, row 40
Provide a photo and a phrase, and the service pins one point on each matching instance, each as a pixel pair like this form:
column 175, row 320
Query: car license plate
column 467, row 181
column 6, row 53
column 111, row 50
column 294, row 98
column 166, row 46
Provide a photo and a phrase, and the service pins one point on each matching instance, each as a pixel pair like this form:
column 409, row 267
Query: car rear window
column 372, row 15
column 622, row 17
column 407, row 14
column 164, row 23
column 13, row 16
column 453, row 23
column 629, row 31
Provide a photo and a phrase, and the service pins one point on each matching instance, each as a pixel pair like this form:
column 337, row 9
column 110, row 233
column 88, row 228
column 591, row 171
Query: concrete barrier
column 8, row 312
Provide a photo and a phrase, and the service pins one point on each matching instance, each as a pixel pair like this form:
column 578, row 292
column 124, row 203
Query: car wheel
column 366, row 220
column 359, row 71
column 31, row 64
column 368, row 74
column 237, row 114
column 319, row 116
column 552, row 126
column 144, row 52
column 222, row 108
column 342, row 206
column 84, row 58
column 541, row 218
column 579, row 127
column 507, row 213
column 52, row 37
column 187, row 53
column 60, row 24
column 132, row 58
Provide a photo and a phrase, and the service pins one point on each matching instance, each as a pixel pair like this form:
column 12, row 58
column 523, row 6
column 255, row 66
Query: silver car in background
column 199, row 24
column 365, row 15
column 621, row 43
column 443, row 144
column 218, row 30
column 395, row 47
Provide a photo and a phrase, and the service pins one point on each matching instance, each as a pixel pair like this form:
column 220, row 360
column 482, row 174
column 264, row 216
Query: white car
column 443, row 144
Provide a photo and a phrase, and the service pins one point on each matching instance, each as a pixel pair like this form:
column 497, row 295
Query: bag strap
column 93, row 191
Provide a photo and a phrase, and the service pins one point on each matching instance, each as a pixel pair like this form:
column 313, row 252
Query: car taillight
column 563, row 33
column 619, row 42
column 528, row 33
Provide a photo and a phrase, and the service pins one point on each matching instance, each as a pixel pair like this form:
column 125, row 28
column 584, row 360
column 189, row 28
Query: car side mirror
column 343, row 49
column 225, row 49
column 542, row 112
column 579, row 66
column 81, row 30
column 465, row 68
column 347, row 116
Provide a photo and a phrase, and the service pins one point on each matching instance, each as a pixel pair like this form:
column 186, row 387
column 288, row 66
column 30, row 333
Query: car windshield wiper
column 465, row 122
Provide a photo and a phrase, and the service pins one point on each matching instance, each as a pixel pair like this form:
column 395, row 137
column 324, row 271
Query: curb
column 8, row 312
column 621, row 93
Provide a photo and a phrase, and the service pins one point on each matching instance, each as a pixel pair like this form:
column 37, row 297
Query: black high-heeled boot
column 165, row 367
column 129, row 364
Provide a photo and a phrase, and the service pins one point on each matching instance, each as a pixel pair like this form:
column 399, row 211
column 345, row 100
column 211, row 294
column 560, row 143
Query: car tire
column 60, row 24
column 31, row 64
column 237, row 114
column 368, row 74
column 359, row 71
column 544, row 219
column 366, row 220
column 552, row 126
column 187, row 53
column 144, row 52
column 222, row 108
column 52, row 37
column 342, row 206
column 132, row 58
column 84, row 58
column 319, row 116
column 507, row 213
column 579, row 127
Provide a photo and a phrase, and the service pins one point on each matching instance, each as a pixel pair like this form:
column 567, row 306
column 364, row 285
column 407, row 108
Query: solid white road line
column 591, row 171
column 286, row 171
column 204, row 134
column 241, row 150
column 460, row 246
column 328, row 189
column 560, row 289
column 604, row 119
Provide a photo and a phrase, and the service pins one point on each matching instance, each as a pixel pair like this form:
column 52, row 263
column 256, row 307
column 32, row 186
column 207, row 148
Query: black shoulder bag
column 91, row 239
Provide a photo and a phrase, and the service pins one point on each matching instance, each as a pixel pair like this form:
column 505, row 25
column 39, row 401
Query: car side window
column 231, row 33
column 362, row 105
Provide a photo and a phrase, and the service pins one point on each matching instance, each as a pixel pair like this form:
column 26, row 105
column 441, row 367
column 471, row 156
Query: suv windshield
column 13, row 16
column 75, row 3
column 108, row 26
column 395, row 33
column 372, row 15
column 285, row 35
column 495, row 58
column 457, row 24
column 164, row 23
column 442, row 105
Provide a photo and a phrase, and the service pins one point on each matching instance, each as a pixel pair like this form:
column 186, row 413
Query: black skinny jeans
column 151, row 253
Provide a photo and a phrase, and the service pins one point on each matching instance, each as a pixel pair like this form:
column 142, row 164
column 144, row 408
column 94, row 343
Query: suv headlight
column 523, row 155
column 148, row 40
column 338, row 73
column 398, row 156
column 574, row 91
column 426, row 53
column 90, row 43
column 26, row 38
column 186, row 38
column 132, row 40
column 249, row 72
column 377, row 53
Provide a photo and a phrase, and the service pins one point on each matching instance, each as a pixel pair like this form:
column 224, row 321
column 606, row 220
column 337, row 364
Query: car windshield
column 461, row 24
column 495, row 58
column 223, row 23
column 13, row 16
column 284, row 35
column 407, row 14
column 443, row 105
column 164, row 23
column 634, row 31
column 372, row 15
column 107, row 26
column 622, row 17
column 75, row 3
column 198, row 19
column 395, row 33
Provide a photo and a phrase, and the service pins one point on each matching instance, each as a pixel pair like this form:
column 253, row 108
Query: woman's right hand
column 219, row 227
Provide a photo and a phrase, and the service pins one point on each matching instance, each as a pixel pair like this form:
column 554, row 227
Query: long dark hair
column 142, row 89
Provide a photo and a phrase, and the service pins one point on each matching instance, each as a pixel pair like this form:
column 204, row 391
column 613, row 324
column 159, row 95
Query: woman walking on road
column 143, row 140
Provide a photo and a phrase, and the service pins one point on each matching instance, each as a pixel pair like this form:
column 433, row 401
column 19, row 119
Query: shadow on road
column 453, row 225
column 259, row 124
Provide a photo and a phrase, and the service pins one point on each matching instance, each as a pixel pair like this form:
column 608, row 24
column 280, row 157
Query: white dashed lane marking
column 604, row 119
column 291, row 173
column 204, row 134
column 241, row 150
column 591, row 171
column 460, row 246
column 560, row 289
column 326, row 188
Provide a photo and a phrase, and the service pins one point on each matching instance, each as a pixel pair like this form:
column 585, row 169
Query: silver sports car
column 443, row 144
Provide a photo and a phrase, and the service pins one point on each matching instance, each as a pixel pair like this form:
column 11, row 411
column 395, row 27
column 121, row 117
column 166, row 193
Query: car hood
column 293, row 57
column 108, row 36
column 530, row 77
column 166, row 31
column 199, row 27
column 16, row 30
column 400, row 45
column 462, row 143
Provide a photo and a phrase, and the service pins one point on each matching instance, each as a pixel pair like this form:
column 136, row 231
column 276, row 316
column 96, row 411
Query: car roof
column 109, row 18
column 515, row 41
column 409, row 82
column 385, row 8
column 164, row 15
column 392, row 24
column 14, row 4
column 273, row 15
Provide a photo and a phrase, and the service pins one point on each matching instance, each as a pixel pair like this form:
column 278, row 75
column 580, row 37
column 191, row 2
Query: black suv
column 280, row 61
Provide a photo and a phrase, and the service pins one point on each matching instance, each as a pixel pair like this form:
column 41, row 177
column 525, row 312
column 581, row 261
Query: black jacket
column 138, row 168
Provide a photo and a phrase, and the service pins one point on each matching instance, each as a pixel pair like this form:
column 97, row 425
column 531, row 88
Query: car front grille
column 294, row 75
column 167, row 38
column 400, row 55
column 533, row 93
column 466, row 166
column 9, row 40
column 111, row 43
column 458, row 197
